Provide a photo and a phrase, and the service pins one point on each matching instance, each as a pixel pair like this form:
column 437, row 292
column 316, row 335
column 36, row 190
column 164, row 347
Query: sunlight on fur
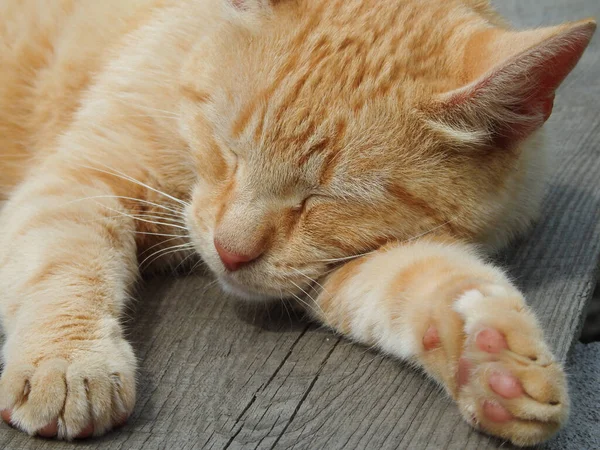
column 342, row 153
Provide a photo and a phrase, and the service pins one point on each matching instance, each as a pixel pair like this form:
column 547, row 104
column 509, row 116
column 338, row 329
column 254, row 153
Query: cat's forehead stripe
column 326, row 65
column 287, row 67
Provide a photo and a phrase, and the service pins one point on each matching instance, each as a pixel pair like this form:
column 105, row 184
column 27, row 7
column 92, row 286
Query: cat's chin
column 243, row 292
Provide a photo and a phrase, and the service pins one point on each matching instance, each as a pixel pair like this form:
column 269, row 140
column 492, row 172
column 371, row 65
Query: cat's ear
column 510, row 82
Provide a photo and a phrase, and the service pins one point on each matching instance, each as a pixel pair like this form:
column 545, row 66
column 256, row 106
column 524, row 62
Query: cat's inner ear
column 510, row 81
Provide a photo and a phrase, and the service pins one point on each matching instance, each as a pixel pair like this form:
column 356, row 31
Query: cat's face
column 314, row 141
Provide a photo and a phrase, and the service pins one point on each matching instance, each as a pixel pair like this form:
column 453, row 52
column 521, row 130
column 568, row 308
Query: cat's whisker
column 429, row 232
column 348, row 258
column 208, row 286
column 345, row 258
column 284, row 304
column 304, row 302
column 184, row 260
column 169, row 214
column 195, row 266
column 314, row 301
column 121, row 216
column 159, row 244
column 142, row 220
column 161, row 234
column 160, row 217
column 311, row 280
column 139, row 217
column 170, row 220
column 123, row 176
column 121, row 197
column 180, row 250
column 165, row 251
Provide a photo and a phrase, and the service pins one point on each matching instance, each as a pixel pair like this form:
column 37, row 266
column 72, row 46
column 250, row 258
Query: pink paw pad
column 431, row 339
column 49, row 431
column 491, row 341
column 121, row 422
column 5, row 413
column 496, row 412
column 86, row 432
column 505, row 385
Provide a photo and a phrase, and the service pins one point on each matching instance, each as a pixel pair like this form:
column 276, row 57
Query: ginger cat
column 350, row 153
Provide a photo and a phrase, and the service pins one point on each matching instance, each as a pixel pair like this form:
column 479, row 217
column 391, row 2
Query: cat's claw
column 508, row 383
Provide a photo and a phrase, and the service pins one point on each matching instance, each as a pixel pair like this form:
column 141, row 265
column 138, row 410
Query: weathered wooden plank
column 214, row 374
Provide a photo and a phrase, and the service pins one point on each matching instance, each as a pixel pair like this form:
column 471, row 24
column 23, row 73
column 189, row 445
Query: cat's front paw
column 509, row 383
column 70, row 394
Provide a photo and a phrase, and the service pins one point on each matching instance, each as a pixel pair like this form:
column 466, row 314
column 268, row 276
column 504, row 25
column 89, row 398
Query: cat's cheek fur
column 514, row 212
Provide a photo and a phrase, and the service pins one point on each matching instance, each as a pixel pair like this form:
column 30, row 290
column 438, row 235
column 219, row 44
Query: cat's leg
column 439, row 305
column 65, row 267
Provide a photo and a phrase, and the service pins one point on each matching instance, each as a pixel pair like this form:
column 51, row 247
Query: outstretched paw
column 508, row 382
column 70, row 397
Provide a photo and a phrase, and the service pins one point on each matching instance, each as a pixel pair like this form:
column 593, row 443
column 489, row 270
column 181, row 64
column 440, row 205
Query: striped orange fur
column 347, row 152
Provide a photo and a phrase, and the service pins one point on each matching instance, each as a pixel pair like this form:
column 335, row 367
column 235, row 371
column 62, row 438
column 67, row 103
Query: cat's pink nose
column 233, row 261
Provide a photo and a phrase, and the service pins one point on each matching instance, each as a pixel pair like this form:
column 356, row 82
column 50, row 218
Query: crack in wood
column 314, row 380
column 262, row 387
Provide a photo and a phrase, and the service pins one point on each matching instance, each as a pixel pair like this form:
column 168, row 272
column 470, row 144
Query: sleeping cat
column 357, row 155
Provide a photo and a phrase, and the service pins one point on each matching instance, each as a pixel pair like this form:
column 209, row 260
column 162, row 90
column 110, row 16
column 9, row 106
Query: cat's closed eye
column 310, row 201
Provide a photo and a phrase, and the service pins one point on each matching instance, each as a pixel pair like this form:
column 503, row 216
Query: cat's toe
column 51, row 430
column 507, row 391
column 34, row 396
column 86, row 396
column 495, row 412
column 505, row 385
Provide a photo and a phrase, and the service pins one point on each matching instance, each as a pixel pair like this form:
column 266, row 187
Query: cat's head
column 325, row 129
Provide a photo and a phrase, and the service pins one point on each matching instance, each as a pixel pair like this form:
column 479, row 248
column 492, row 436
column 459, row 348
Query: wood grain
column 219, row 375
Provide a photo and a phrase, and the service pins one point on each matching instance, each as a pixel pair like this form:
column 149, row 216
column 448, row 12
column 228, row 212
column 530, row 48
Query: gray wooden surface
column 222, row 375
